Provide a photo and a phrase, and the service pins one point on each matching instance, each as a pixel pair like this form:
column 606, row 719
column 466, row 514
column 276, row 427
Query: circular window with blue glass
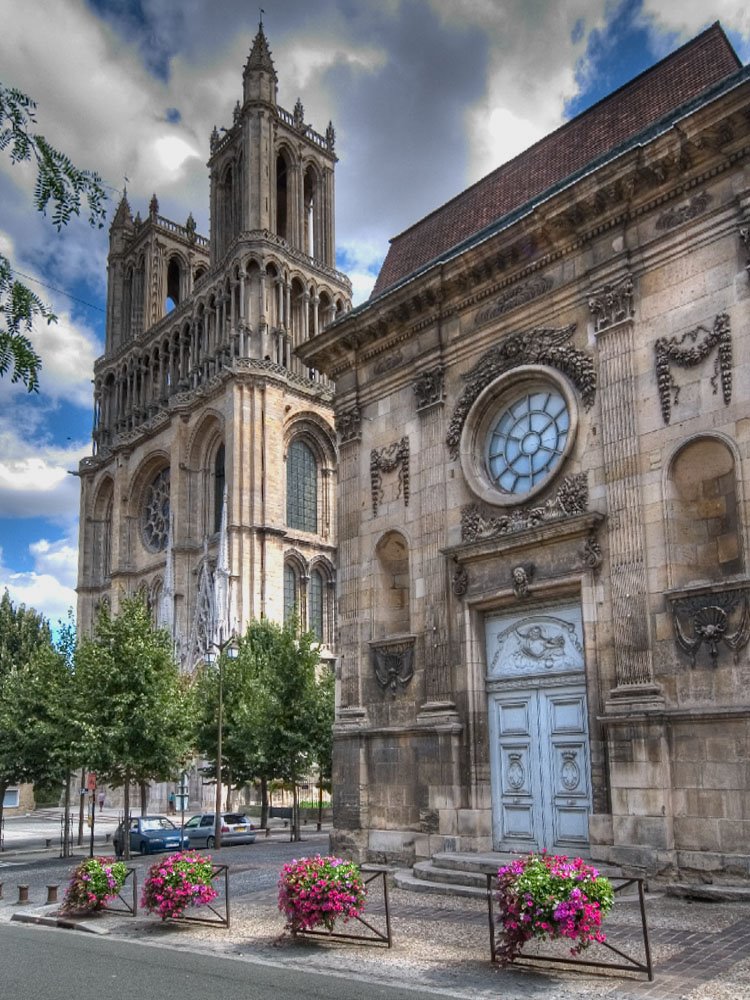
column 517, row 434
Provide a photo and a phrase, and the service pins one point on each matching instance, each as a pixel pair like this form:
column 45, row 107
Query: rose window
column 155, row 515
column 527, row 441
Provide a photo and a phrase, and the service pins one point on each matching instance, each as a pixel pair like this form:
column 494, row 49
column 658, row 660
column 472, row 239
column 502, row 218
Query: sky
column 426, row 97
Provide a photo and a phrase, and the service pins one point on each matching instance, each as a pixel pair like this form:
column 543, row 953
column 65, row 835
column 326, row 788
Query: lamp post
column 215, row 654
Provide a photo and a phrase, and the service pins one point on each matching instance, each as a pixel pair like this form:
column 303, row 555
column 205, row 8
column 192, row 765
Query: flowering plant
column 178, row 881
column 317, row 890
column 92, row 883
column 546, row 896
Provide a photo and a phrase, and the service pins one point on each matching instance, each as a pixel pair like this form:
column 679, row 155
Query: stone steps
column 458, row 874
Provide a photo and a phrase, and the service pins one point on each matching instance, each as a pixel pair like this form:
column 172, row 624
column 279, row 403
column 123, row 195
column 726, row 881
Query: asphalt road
column 39, row 963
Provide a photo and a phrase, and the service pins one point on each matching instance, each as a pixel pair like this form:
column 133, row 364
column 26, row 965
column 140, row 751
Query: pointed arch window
column 290, row 592
column 315, row 604
column 219, row 482
column 301, row 487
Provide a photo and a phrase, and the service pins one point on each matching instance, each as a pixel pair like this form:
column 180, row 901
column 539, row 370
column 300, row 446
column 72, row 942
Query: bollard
column 23, row 894
column 48, row 842
column 1, row 890
column 52, row 893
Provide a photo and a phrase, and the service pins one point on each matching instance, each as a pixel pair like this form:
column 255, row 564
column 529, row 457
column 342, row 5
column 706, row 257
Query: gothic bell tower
column 271, row 172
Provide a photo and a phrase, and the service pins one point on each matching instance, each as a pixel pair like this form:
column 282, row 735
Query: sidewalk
column 701, row 950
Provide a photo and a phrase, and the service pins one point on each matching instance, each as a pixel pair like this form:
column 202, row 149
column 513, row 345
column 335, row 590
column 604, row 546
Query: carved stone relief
column 393, row 662
column 513, row 297
column 676, row 216
column 538, row 347
column 348, row 425
column 571, row 498
column 612, row 303
column 710, row 620
column 745, row 237
column 394, row 456
column 387, row 362
column 429, row 387
column 460, row 581
column 521, row 577
column 592, row 553
column 688, row 351
column 534, row 644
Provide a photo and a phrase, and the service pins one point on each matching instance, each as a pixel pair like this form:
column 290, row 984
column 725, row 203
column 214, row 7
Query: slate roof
column 684, row 75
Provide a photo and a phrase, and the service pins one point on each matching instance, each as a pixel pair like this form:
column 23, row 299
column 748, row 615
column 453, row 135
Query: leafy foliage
column 93, row 882
column 59, row 185
column 550, row 896
column 35, row 686
column 135, row 710
column 277, row 714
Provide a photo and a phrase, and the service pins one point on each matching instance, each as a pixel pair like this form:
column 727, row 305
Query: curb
column 52, row 921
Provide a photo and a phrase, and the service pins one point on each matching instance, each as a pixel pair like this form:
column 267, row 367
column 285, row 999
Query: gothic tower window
column 282, row 180
column 291, row 592
column 219, row 481
column 301, row 487
column 173, row 283
column 316, row 590
column 310, row 208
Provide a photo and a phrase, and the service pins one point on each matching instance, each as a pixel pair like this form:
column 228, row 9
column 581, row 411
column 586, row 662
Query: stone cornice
column 632, row 183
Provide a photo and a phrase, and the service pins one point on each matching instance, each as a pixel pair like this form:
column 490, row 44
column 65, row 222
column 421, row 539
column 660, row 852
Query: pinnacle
column 260, row 59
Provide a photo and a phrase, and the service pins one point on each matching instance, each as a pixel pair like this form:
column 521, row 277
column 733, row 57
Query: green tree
column 277, row 715
column 135, row 712
column 34, row 690
column 62, row 186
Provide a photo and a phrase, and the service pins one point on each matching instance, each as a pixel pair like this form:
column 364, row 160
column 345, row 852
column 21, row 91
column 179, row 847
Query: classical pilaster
column 612, row 309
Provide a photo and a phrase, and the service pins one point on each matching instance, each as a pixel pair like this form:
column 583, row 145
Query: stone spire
column 123, row 215
column 259, row 77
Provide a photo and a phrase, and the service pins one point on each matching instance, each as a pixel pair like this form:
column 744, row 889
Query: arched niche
column 392, row 590
column 704, row 530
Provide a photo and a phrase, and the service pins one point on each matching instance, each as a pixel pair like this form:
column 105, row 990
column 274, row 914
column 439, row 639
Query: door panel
column 541, row 785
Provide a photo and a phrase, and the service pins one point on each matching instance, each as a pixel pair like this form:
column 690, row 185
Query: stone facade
column 544, row 472
column 214, row 460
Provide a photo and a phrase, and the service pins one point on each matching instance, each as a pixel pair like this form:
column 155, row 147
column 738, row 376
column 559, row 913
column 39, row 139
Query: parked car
column 236, row 828
column 149, row 834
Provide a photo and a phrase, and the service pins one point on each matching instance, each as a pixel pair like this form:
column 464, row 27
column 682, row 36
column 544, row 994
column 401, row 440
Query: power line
column 61, row 291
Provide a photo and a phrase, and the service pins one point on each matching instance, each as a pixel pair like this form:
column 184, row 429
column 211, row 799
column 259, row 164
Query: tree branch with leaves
column 61, row 187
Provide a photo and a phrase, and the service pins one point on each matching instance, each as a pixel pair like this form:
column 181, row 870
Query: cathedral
column 213, row 478
column 509, row 492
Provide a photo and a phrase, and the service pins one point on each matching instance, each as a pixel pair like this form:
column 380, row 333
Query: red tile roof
column 682, row 76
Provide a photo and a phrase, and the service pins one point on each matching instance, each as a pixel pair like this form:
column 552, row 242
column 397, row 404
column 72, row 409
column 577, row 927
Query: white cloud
column 49, row 587
column 34, row 475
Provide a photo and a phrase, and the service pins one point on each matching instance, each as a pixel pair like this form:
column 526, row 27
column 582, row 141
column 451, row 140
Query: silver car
column 236, row 828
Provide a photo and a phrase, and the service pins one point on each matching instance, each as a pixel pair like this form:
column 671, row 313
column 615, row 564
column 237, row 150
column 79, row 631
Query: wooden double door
column 541, row 773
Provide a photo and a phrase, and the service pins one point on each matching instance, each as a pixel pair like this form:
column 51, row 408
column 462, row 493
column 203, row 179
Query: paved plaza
column 701, row 950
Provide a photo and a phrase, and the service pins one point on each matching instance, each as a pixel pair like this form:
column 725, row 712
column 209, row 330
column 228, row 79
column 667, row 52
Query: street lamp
column 215, row 654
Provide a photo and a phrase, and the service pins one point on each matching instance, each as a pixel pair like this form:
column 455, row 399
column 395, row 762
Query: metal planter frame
column 377, row 936
column 629, row 963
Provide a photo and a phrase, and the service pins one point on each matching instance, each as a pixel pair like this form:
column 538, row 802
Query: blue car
column 149, row 835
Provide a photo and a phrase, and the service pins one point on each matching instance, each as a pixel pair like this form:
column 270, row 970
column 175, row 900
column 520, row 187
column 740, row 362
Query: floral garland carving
column 571, row 498
column 394, row 456
column 541, row 346
column 673, row 351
